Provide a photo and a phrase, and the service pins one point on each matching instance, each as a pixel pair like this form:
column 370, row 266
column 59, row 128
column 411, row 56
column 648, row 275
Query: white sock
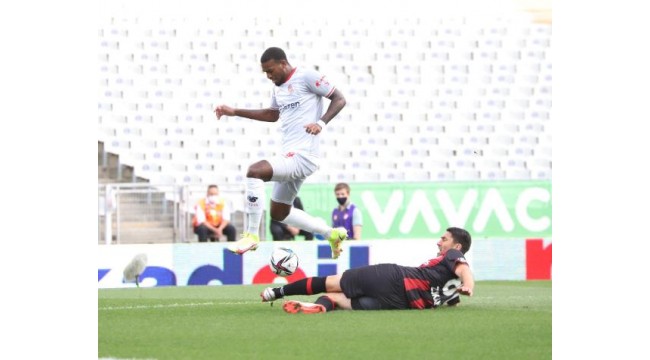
column 254, row 205
column 304, row 221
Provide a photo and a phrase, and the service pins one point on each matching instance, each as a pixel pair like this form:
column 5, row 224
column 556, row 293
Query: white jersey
column 300, row 101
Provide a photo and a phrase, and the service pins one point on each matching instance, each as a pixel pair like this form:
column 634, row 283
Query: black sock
column 306, row 286
column 327, row 302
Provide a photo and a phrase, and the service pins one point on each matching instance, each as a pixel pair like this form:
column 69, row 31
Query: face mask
column 213, row 199
column 341, row 200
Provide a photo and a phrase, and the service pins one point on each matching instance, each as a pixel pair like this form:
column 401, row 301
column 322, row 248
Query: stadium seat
column 364, row 153
column 541, row 174
column 368, row 176
column 416, row 175
column 393, row 176
column 442, row 175
column 477, row 141
column 176, row 167
column 462, row 164
column 408, row 164
column 539, row 163
column 424, row 139
column 191, row 178
column 493, row 174
column 543, row 150
column 106, row 133
column 513, row 163
column 522, row 151
column 466, row 174
column 517, row 174
column 390, row 152
column 488, row 162
column 502, row 139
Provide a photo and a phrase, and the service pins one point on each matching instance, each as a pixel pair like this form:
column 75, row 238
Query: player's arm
column 356, row 230
column 202, row 220
column 266, row 115
column 212, row 228
column 466, row 278
column 357, row 223
column 200, row 215
column 223, row 225
column 337, row 103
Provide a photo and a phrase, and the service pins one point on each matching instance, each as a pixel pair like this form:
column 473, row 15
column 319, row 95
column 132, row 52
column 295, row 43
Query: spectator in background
column 282, row 231
column 346, row 215
column 211, row 220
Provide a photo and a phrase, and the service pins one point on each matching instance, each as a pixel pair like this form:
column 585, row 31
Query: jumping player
column 297, row 102
column 388, row 286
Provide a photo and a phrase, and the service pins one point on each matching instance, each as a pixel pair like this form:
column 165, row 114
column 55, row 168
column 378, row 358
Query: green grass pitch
column 503, row 320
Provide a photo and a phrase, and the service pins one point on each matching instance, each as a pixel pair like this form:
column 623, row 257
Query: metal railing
column 150, row 213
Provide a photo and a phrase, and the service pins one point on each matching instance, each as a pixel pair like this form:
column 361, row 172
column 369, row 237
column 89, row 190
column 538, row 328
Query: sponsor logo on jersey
column 252, row 198
column 289, row 154
column 322, row 81
column 435, row 294
column 293, row 105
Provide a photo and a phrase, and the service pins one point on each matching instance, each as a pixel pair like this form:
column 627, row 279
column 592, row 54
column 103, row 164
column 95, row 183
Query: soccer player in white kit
column 297, row 102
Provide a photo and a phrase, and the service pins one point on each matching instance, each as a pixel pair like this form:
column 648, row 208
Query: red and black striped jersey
column 423, row 283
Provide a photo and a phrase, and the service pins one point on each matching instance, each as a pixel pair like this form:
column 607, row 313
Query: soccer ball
column 284, row 262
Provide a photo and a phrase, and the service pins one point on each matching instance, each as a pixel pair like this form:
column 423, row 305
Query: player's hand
column 313, row 129
column 223, row 110
column 464, row 290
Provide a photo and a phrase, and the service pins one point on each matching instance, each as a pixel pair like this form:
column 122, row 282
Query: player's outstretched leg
column 304, row 221
column 254, row 209
column 305, row 286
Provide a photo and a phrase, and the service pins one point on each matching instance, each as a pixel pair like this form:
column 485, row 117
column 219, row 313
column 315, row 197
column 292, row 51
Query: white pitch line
column 158, row 306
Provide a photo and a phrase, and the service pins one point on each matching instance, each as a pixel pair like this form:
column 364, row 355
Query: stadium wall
column 416, row 210
column 213, row 264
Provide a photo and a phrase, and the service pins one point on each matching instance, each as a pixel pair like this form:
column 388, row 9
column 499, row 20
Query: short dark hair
column 273, row 53
column 212, row 186
column 341, row 186
column 462, row 237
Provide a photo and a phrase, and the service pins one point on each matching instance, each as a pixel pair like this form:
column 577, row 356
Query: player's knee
column 333, row 283
column 279, row 213
column 366, row 303
column 260, row 170
column 253, row 173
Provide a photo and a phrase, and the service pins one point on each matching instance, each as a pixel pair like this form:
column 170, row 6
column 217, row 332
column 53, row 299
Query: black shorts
column 383, row 282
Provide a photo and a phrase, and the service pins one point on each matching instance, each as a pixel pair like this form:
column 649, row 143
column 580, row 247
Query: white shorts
column 289, row 172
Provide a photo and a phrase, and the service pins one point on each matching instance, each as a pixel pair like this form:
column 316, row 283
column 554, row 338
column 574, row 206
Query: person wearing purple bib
column 346, row 215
